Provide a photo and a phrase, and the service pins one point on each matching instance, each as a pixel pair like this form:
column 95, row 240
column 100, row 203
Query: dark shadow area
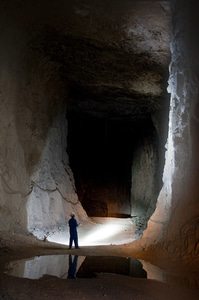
column 101, row 153
column 97, row 148
column 117, row 265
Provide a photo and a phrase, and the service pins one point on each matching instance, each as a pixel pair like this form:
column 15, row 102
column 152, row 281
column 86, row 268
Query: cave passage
column 101, row 153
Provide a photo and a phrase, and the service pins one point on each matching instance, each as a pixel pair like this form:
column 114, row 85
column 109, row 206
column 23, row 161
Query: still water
column 72, row 267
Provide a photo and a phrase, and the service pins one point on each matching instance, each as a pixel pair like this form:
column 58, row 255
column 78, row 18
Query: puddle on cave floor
column 71, row 266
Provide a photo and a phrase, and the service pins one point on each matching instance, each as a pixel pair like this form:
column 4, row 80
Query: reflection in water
column 154, row 272
column 72, row 267
column 35, row 268
column 93, row 265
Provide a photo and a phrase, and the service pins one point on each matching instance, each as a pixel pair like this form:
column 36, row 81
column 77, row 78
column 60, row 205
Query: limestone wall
column 145, row 184
column 182, row 232
column 175, row 219
column 37, row 190
column 15, row 182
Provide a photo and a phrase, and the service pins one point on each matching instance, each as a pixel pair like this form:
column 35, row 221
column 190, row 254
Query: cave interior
column 99, row 115
column 117, row 113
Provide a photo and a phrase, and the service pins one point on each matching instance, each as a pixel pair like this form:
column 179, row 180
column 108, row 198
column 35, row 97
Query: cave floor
column 99, row 231
column 107, row 231
column 167, row 278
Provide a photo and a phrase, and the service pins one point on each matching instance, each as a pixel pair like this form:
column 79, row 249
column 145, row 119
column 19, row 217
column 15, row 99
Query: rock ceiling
column 114, row 55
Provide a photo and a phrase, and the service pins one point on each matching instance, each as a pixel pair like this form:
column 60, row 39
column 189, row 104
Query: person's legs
column 76, row 241
column 71, row 242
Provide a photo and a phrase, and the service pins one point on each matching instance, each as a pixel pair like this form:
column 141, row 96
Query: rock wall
column 175, row 219
column 37, row 190
column 182, row 232
column 145, row 184
column 15, row 182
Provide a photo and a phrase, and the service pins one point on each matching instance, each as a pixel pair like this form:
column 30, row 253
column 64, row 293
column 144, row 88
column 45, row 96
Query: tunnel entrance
column 102, row 154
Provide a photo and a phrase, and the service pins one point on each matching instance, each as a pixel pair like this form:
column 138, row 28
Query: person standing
column 73, row 231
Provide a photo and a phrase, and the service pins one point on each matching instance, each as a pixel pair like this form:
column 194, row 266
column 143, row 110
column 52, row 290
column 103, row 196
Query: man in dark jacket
column 73, row 231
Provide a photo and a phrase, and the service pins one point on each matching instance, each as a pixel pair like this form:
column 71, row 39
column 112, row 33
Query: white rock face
column 53, row 194
column 174, row 220
column 37, row 187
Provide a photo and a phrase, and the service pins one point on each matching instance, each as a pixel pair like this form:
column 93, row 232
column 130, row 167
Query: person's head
column 72, row 215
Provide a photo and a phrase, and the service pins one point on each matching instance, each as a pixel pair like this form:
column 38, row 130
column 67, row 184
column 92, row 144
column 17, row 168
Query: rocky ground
column 180, row 282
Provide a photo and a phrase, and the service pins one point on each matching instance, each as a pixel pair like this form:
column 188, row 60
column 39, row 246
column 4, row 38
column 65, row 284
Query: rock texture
column 176, row 216
column 145, row 181
column 184, row 83
column 37, row 185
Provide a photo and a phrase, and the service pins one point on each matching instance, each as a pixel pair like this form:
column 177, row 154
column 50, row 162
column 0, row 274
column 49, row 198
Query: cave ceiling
column 113, row 55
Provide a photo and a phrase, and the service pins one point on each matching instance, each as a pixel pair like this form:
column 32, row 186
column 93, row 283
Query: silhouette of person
column 73, row 231
column 72, row 267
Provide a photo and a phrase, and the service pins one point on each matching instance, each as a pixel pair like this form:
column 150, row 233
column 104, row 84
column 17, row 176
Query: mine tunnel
column 116, row 105
column 118, row 124
column 99, row 117
column 116, row 159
